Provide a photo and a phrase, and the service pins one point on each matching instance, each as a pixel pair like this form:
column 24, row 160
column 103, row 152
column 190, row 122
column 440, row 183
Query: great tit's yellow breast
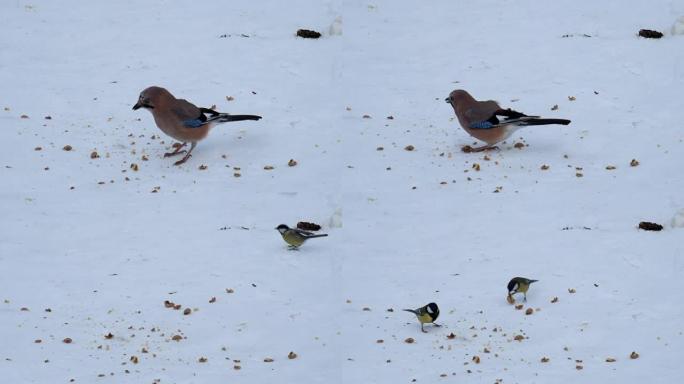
column 522, row 287
column 425, row 318
column 293, row 239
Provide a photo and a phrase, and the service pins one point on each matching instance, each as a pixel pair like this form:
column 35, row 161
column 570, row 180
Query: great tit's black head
column 432, row 308
column 282, row 228
column 512, row 286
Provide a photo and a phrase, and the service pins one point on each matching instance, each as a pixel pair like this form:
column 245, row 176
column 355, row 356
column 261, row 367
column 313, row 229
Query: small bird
column 519, row 284
column 295, row 237
column 181, row 119
column 426, row 314
column 481, row 119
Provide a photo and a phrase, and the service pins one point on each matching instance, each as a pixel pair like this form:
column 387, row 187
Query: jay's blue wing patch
column 481, row 125
column 193, row 123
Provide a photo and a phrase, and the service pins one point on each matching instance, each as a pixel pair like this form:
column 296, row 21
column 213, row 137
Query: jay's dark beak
column 137, row 106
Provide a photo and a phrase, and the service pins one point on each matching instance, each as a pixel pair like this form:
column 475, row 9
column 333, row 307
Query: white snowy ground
column 103, row 254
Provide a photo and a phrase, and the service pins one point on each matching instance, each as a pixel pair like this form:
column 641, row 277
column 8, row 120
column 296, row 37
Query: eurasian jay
column 479, row 119
column 181, row 119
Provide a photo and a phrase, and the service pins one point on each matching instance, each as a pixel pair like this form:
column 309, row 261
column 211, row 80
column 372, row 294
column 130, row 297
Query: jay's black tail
column 224, row 117
column 547, row 121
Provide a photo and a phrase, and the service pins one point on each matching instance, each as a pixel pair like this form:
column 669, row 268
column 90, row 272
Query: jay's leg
column 482, row 148
column 176, row 151
column 187, row 155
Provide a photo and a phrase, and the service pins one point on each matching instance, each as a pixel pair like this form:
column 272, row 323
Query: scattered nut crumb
column 380, row 149
column 134, row 359
column 202, row 167
column 291, row 355
column 212, row 300
column 109, row 336
column 519, row 338
column 237, row 367
column 554, row 300
column 634, row 163
column 38, row 148
column 571, row 290
column 24, row 116
column 268, row 167
column 237, row 174
column 67, row 340
column 187, row 311
column 545, row 359
column 409, row 340
column 94, row 155
column 476, row 166
column 519, row 307
column 268, row 360
column 544, row 167
column 230, row 290
column 610, row 167
column 529, row 311
column 292, row 163
column 555, row 107
column 633, row 355
column 379, row 341
column 230, row 98
column 67, row 148
column 177, row 338
column 571, row 98
column 202, row 359
column 510, row 299
column 579, row 367
column 519, row 145
column 610, row 360
column 37, row 341
column 409, row 147
column 579, row 174
column 390, row 117
column 366, row 309
column 135, row 167
column 451, row 336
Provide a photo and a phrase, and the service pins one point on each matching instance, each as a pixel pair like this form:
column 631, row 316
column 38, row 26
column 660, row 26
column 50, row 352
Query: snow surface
column 406, row 227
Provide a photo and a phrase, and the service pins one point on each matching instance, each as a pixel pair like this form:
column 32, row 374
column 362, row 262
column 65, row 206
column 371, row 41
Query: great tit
column 426, row 314
column 519, row 284
column 295, row 237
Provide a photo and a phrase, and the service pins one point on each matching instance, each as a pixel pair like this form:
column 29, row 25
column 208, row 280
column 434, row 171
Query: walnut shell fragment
column 308, row 34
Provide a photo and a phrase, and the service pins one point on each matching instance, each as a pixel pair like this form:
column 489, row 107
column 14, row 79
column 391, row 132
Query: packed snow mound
column 678, row 26
column 678, row 219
